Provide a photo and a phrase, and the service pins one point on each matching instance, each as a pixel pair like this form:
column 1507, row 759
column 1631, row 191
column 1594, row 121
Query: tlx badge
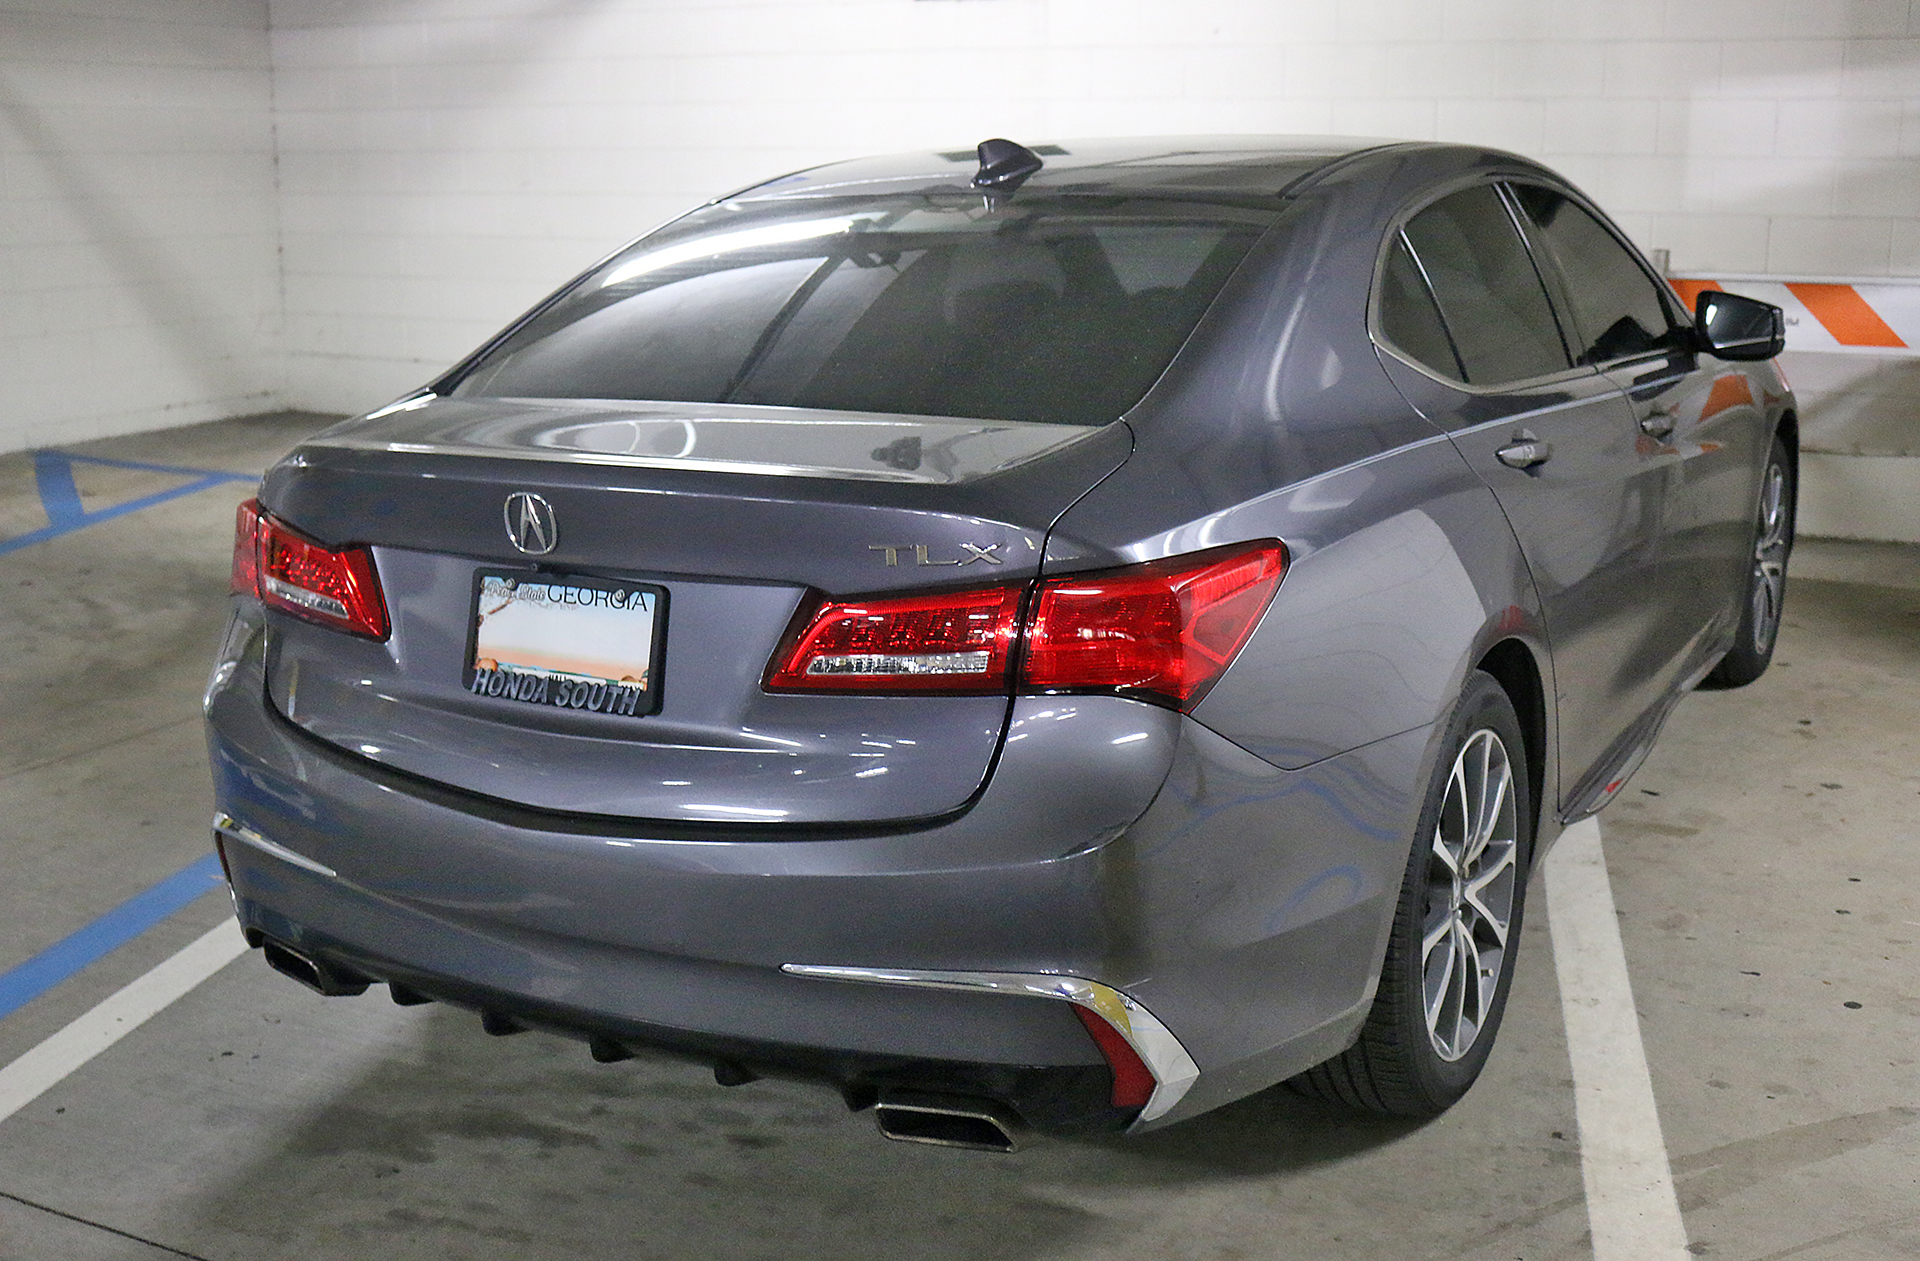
column 974, row 552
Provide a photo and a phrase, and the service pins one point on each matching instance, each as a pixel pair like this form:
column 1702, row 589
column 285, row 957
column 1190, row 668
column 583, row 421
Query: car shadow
column 437, row 1141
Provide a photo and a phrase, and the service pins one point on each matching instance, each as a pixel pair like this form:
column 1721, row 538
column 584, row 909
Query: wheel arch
column 1788, row 431
column 1512, row 665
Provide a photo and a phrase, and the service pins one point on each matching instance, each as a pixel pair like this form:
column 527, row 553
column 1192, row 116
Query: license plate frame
column 543, row 623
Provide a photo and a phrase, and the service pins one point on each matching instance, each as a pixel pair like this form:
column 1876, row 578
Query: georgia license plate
column 572, row 643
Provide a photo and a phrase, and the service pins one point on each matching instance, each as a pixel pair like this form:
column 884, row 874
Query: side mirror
column 1733, row 327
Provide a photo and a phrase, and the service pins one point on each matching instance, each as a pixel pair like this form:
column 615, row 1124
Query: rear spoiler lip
column 738, row 438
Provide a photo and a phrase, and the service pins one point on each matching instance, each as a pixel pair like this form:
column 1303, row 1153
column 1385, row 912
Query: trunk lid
column 732, row 514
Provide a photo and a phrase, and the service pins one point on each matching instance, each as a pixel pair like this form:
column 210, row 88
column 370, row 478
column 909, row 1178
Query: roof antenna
column 1004, row 165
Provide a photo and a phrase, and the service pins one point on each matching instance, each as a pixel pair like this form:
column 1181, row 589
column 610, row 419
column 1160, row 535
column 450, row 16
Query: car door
column 1697, row 416
column 1464, row 311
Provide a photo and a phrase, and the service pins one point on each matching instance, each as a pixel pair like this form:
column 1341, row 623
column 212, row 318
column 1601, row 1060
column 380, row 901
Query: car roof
column 1197, row 166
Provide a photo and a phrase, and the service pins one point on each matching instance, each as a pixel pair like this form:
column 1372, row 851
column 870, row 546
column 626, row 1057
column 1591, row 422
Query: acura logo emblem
column 530, row 523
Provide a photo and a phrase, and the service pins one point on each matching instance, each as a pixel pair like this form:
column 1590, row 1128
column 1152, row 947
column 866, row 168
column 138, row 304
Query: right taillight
column 1167, row 629
column 1162, row 631
column 286, row 570
column 955, row 642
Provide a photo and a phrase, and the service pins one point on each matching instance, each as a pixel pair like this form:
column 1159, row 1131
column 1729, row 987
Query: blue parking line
column 53, row 476
column 60, row 498
column 27, row 981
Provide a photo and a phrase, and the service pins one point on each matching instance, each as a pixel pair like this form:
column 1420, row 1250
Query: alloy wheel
column 1470, row 895
column 1770, row 559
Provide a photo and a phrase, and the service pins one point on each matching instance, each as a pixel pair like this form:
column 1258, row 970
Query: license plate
column 571, row 643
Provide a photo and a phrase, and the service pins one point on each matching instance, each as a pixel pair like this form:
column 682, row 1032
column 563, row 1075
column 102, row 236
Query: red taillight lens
column 288, row 571
column 955, row 642
column 246, row 549
column 1164, row 630
column 1132, row 1081
column 1168, row 628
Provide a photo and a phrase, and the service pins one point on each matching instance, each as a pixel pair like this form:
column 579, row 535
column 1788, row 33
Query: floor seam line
column 96, row 748
column 111, row 1230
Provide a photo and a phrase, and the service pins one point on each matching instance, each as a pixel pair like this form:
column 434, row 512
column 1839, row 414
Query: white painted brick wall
column 446, row 162
column 139, row 277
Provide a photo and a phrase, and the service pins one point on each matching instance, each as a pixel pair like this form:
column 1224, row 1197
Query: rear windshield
column 1060, row 311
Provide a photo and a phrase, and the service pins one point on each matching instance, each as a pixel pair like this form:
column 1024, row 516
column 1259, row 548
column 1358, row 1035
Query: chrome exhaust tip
column 321, row 978
column 912, row 1116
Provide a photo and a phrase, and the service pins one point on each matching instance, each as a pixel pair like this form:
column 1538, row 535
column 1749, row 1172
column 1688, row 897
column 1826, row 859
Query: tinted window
column 1408, row 317
column 1616, row 306
column 1037, row 310
column 1487, row 288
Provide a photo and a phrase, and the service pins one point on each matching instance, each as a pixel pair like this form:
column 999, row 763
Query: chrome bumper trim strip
column 1174, row 1071
column 227, row 825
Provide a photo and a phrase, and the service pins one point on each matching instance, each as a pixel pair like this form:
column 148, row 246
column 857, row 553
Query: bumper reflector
column 1168, row 1070
column 1132, row 1081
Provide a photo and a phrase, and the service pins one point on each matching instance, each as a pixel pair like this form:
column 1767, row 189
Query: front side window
column 1487, row 289
column 1616, row 307
column 1056, row 310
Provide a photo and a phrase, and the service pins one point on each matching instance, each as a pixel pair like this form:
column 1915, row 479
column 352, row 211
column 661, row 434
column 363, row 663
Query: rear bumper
column 1240, row 909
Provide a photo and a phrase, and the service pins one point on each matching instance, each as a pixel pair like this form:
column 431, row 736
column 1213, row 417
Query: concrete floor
column 1765, row 865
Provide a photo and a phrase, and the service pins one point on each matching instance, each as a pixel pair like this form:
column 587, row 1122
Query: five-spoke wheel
column 1449, row 959
column 1766, row 576
column 1470, row 895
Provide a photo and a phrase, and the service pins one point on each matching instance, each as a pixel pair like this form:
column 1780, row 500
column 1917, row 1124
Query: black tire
column 1406, row 1063
column 1765, row 592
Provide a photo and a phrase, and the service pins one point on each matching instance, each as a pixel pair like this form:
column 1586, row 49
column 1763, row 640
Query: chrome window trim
column 1174, row 1071
column 1497, row 181
column 1574, row 373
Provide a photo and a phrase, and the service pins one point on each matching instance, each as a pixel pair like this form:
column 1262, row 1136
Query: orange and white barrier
column 1881, row 317
column 1845, row 494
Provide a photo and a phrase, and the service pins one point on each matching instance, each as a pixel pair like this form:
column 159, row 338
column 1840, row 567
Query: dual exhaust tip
column 912, row 1116
column 906, row 1116
column 317, row 975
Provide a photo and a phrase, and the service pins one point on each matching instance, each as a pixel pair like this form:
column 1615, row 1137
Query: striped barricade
column 1881, row 317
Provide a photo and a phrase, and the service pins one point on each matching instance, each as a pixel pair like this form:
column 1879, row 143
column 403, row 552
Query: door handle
column 1524, row 452
column 1658, row 423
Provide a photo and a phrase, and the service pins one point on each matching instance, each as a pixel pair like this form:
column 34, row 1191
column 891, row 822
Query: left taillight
column 246, row 549
column 286, row 570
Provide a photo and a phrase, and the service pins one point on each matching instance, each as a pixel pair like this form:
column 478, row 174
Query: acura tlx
column 1052, row 638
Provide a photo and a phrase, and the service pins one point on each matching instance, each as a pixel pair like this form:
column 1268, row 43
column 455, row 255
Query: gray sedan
column 1051, row 638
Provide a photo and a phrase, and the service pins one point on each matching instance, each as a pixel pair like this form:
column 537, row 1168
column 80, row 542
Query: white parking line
column 40, row 1069
column 1631, row 1206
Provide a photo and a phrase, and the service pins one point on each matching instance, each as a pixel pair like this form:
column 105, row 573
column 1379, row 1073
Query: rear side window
column 1488, row 292
column 1057, row 310
column 1408, row 317
column 1616, row 306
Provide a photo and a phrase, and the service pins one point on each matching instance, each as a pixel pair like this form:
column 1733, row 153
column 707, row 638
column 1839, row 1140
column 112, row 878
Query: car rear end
column 681, row 672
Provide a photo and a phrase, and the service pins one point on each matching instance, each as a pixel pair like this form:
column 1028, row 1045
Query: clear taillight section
column 1163, row 631
column 286, row 570
column 955, row 642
